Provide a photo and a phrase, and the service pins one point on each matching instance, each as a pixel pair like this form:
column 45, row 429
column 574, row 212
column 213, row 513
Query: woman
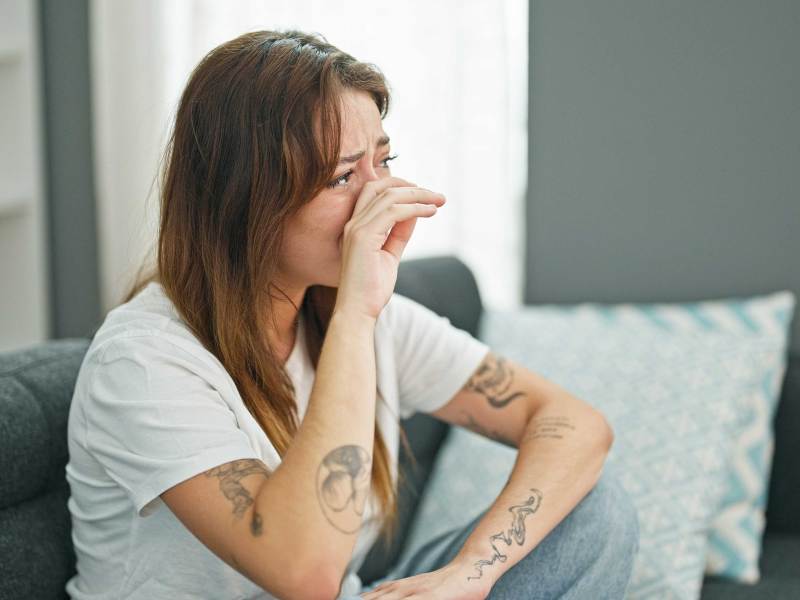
column 234, row 427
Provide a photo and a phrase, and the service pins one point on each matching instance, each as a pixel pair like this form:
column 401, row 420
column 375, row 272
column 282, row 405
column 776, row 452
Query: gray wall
column 664, row 150
column 72, row 233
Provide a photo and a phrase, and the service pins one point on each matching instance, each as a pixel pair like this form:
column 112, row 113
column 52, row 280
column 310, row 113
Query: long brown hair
column 256, row 135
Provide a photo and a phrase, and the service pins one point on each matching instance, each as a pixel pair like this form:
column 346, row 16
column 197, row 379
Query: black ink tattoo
column 343, row 483
column 473, row 425
column 548, row 427
column 493, row 379
column 230, row 476
column 256, row 525
column 515, row 533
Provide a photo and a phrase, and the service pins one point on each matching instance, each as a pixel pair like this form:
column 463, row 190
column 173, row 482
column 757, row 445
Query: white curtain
column 458, row 73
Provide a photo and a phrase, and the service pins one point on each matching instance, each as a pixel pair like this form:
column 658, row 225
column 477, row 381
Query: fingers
column 398, row 237
column 401, row 195
column 377, row 591
column 372, row 189
column 386, row 218
column 400, row 220
column 396, row 213
column 387, row 210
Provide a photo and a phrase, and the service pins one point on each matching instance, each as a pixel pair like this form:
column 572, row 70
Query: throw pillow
column 761, row 325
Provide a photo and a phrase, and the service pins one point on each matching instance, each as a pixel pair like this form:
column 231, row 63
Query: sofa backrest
column 782, row 514
column 36, row 384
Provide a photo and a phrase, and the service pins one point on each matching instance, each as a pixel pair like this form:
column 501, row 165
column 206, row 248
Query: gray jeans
column 588, row 556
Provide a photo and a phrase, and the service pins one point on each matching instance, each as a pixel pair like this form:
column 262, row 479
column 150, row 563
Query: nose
column 368, row 174
column 372, row 174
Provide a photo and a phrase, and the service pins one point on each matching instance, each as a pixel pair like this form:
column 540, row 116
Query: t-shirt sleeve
column 153, row 420
column 434, row 359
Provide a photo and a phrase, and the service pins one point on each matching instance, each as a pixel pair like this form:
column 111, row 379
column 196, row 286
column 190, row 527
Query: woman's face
column 312, row 243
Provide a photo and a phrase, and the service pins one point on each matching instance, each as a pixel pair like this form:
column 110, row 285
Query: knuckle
column 357, row 233
column 350, row 230
column 374, row 184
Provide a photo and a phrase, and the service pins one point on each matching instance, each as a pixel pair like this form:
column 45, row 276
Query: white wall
column 24, row 316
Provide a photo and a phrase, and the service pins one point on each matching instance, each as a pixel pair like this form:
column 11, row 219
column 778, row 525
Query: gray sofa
column 36, row 383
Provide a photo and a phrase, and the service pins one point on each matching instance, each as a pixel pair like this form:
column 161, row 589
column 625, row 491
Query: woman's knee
column 592, row 548
column 613, row 515
column 609, row 562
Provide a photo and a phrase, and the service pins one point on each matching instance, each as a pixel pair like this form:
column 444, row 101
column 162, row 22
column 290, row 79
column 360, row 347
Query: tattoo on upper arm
column 548, row 427
column 230, row 476
column 473, row 425
column 515, row 533
column 343, row 483
column 492, row 379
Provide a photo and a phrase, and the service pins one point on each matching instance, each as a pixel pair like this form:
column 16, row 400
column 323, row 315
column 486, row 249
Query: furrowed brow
column 382, row 141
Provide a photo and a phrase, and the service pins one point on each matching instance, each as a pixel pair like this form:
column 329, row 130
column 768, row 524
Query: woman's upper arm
column 217, row 507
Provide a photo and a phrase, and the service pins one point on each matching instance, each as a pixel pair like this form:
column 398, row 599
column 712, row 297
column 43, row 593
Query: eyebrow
column 382, row 141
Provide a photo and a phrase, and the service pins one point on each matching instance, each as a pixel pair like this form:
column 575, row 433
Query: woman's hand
column 448, row 583
column 374, row 239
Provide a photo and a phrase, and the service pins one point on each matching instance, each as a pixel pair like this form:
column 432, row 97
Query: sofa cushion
column 36, row 386
column 783, row 515
column 780, row 576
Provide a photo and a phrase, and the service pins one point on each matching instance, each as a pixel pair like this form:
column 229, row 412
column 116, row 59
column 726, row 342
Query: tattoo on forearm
column 343, row 483
column 493, row 380
column 515, row 533
column 548, row 427
column 473, row 425
column 230, row 476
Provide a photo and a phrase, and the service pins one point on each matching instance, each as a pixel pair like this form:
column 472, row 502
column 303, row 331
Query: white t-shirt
column 152, row 408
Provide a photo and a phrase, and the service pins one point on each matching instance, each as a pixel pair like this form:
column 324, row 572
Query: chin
column 330, row 278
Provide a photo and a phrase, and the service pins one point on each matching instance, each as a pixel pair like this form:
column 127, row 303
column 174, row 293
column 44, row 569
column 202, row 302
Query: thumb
column 398, row 237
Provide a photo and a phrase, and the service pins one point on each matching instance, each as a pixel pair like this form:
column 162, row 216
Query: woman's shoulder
column 121, row 365
column 399, row 307
column 147, row 327
column 402, row 313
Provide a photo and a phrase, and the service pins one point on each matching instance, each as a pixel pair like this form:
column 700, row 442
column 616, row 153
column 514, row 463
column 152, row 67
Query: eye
column 387, row 159
column 344, row 178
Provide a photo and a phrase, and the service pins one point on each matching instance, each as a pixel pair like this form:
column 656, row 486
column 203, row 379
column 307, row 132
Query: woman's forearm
column 559, row 461
column 314, row 502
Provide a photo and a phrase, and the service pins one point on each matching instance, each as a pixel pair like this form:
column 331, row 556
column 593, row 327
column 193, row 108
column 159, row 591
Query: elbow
column 606, row 437
column 609, row 433
column 605, row 432
column 320, row 583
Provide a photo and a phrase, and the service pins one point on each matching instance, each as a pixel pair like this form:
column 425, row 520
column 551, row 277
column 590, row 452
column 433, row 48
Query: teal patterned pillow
column 681, row 387
column 760, row 325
